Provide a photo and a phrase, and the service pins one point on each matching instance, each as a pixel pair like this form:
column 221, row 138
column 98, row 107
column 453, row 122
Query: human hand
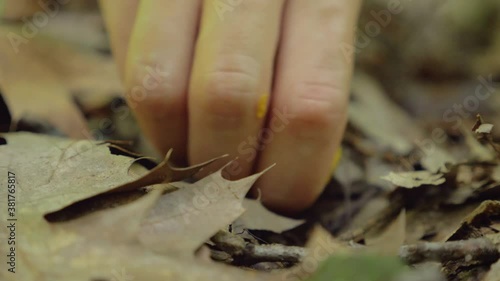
column 266, row 81
column 201, row 77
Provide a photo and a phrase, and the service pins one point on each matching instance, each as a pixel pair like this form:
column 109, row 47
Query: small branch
column 471, row 250
column 237, row 247
column 478, row 250
column 275, row 252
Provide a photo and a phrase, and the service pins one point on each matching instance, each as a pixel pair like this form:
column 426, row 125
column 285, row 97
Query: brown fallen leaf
column 375, row 115
column 101, row 246
column 478, row 151
column 258, row 217
column 484, row 129
column 198, row 209
column 477, row 221
column 438, row 160
column 163, row 173
column 391, row 239
column 121, row 224
column 52, row 174
column 157, row 178
column 56, row 172
column 415, row 178
column 471, row 181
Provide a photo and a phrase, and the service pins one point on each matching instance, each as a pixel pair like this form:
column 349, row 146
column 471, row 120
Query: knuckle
column 318, row 107
column 149, row 81
column 151, row 76
column 150, row 85
column 231, row 92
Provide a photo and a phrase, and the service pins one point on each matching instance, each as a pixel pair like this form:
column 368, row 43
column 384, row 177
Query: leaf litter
column 109, row 238
column 167, row 221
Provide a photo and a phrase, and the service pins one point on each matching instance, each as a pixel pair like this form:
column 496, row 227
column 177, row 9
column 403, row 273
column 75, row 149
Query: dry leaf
column 121, row 224
column 437, row 160
column 164, row 173
column 55, row 172
column 258, row 217
column 384, row 122
column 375, row 167
column 471, row 181
column 391, row 239
column 478, row 218
column 104, row 244
column 381, row 119
column 484, row 129
column 197, row 209
column 414, row 179
column 93, row 248
column 478, row 151
column 322, row 239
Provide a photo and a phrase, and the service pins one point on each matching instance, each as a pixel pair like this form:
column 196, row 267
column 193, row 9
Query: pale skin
column 225, row 70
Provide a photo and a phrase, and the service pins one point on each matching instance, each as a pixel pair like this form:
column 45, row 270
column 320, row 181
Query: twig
column 480, row 249
column 237, row 247
column 275, row 252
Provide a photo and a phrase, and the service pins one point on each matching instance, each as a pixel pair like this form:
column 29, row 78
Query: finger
column 119, row 19
column 231, row 78
column 309, row 102
column 157, row 70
